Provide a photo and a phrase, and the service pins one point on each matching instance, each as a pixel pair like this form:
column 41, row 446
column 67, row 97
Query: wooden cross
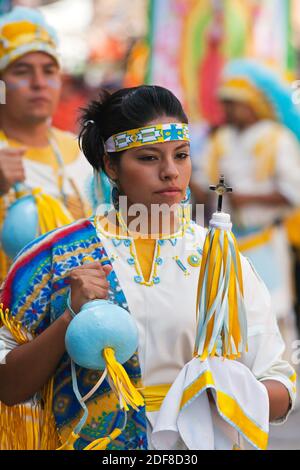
column 221, row 188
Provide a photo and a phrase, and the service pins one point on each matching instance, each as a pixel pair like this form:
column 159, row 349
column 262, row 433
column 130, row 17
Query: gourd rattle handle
column 20, row 189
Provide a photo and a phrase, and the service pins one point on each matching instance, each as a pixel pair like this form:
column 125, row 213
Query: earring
column 185, row 206
column 115, row 194
column 187, row 198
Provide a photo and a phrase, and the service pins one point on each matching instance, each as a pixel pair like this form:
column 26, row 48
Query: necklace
column 62, row 175
column 157, row 260
column 183, row 224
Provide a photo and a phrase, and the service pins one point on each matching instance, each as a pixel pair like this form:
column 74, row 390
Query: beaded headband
column 155, row 134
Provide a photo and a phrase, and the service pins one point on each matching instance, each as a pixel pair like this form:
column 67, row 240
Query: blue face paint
column 21, row 83
column 53, row 83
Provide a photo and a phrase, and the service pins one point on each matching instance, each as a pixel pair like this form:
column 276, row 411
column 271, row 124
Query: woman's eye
column 147, row 158
column 182, row 155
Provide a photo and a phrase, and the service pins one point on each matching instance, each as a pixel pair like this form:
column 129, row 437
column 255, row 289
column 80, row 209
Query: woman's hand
column 88, row 282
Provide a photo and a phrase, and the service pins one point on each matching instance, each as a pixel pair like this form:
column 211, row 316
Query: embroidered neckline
column 132, row 260
column 184, row 226
column 156, row 261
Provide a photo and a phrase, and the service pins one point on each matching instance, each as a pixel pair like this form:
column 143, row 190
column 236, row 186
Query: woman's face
column 154, row 174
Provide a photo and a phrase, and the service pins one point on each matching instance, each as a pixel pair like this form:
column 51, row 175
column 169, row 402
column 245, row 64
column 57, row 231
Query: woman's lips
column 169, row 192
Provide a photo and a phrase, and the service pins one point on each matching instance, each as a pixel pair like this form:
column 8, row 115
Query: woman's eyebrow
column 154, row 148
column 151, row 148
column 182, row 146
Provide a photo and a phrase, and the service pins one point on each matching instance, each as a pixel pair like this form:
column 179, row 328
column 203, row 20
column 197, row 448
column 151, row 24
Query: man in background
column 33, row 152
column 258, row 152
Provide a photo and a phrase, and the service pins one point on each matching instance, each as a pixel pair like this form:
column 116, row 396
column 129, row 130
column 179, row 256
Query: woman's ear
column 110, row 168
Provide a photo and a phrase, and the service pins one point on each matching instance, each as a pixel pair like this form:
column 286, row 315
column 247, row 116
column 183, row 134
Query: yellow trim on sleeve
column 293, row 377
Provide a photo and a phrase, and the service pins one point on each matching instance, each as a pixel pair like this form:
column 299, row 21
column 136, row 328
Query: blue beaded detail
column 180, row 265
column 161, row 242
column 138, row 279
column 127, row 242
column 190, row 230
column 194, row 260
column 159, row 261
column 173, row 241
column 116, row 242
column 200, row 251
column 131, row 261
column 156, row 280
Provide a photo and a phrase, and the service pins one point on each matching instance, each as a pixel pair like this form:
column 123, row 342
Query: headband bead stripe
column 154, row 134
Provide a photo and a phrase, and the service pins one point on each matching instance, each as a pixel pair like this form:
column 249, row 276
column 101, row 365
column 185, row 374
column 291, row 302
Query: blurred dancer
column 31, row 150
column 258, row 152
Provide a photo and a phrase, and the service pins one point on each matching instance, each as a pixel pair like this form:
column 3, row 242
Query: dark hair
column 123, row 110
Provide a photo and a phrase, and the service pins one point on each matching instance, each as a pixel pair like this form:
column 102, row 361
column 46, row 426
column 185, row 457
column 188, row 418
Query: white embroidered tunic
column 165, row 313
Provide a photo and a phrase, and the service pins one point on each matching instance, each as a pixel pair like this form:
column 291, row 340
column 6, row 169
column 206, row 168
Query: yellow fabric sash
column 154, row 396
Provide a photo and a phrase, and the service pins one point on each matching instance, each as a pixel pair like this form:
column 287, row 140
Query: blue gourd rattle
column 32, row 214
column 102, row 336
column 20, row 225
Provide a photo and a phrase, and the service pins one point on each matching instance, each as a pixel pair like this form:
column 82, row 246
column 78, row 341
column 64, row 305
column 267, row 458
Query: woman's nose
column 169, row 170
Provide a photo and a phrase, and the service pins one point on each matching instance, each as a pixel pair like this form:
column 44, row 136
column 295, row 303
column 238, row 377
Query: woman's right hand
column 88, row 282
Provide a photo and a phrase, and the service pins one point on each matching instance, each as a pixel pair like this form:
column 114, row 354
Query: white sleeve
column 288, row 167
column 265, row 344
column 7, row 343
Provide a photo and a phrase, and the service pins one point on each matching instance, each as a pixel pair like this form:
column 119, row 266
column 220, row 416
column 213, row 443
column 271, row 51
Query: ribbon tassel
column 120, row 382
column 222, row 325
column 123, row 388
column 51, row 213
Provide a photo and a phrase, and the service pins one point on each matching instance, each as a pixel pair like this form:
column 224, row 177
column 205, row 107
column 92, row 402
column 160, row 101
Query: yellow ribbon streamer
column 51, row 213
column 121, row 383
column 214, row 260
